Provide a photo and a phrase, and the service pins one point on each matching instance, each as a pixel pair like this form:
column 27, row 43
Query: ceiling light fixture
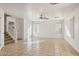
column 53, row 3
column 42, row 15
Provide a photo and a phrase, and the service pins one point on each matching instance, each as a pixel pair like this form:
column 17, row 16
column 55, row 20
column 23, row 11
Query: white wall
column 72, row 11
column 33, row 12
column 49, row 29
column 1, row 28
column 20, row 28
column 27, row 21
column 16, row 10
column 66, row 12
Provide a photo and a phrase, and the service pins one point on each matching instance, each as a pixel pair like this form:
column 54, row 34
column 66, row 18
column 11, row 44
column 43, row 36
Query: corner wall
column 67, row 35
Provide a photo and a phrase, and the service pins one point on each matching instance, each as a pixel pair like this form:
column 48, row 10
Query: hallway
column 46, row 47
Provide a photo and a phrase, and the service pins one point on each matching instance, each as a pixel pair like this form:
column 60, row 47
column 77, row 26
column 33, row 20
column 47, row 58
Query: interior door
column 1, row 28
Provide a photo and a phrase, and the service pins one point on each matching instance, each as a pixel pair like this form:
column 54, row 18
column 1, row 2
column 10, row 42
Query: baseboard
column 72, row 45
column 47, row 37
column 1, row 47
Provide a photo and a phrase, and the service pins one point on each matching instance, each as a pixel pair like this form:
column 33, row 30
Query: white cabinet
column 1, row 28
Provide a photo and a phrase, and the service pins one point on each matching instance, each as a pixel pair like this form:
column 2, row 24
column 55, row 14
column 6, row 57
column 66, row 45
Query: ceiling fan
column 44, row 17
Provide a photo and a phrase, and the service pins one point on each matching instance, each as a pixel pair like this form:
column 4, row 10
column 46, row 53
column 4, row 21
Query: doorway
column 7, row 37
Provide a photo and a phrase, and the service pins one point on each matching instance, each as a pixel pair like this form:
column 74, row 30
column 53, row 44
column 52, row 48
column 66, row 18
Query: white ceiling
column 15, row 9
column 18, row 9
